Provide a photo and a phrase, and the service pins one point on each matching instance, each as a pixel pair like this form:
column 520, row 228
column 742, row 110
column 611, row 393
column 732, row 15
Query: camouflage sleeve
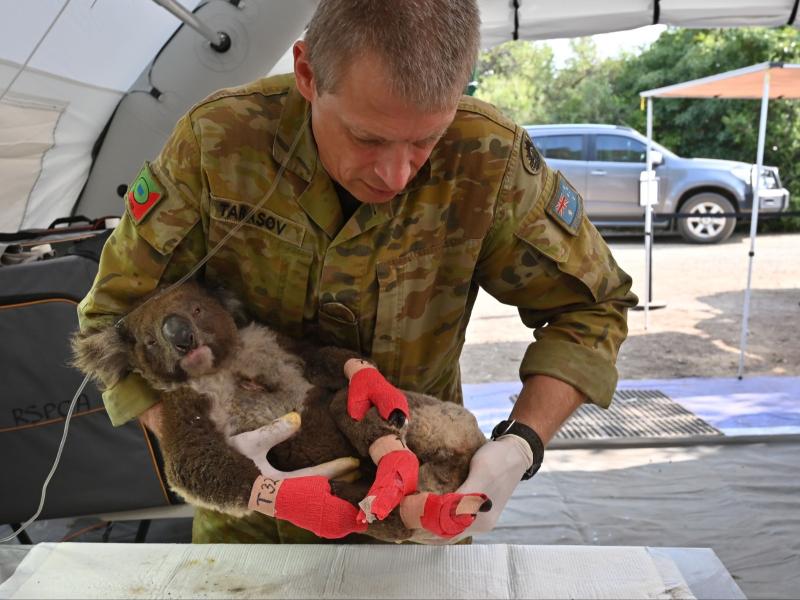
column 159, row 238
column 544, row 256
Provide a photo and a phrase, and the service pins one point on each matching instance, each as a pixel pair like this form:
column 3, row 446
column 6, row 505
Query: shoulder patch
column 566, row 206
column 531, row 158
column 143, row 195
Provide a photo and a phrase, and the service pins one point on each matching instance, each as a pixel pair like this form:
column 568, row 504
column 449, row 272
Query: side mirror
column 658, row 158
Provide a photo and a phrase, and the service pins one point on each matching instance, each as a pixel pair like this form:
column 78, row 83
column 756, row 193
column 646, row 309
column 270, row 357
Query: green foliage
column 585, row 86
column 520, row 78
column 517, row 77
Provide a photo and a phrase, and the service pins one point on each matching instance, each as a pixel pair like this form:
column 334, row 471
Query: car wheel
column 702, row 227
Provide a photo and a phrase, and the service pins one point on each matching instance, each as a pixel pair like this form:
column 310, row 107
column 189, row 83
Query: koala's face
column 182, row 334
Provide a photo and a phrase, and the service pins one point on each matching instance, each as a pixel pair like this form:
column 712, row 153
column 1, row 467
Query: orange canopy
column 741, row 83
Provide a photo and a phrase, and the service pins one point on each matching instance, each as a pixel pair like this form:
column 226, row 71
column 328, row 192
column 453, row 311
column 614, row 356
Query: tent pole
column 219, row 40
column 648, row 219
column 762, row 133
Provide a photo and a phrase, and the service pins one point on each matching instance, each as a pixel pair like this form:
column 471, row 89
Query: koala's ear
column 103, row 354
column 233, row 305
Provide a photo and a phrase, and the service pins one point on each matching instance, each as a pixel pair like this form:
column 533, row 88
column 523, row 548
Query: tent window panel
column 27, row 132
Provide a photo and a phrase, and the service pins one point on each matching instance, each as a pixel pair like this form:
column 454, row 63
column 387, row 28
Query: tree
column 717, row 128
column 516, row 77
column 583, row 90
column 520, row 78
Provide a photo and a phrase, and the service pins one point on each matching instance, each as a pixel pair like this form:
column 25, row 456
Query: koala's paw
column 445, row 515
column 308, row 503
column 396, row 478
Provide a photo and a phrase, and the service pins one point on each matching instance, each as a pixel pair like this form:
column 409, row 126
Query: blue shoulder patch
column 566, row 206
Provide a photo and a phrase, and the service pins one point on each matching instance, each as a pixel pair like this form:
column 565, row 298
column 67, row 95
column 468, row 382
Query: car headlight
column 768, row 180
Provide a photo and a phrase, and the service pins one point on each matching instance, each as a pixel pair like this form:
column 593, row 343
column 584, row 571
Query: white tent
column 764, row 81
column 91, row 88
column 543, row 19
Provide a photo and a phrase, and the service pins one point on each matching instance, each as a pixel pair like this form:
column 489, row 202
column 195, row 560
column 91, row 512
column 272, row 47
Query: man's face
column 369, row 141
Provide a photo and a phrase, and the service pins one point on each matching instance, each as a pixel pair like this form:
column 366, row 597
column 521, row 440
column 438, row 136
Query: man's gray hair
column 429, row 47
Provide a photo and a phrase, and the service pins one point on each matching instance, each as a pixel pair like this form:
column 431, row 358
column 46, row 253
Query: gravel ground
column 697, row 334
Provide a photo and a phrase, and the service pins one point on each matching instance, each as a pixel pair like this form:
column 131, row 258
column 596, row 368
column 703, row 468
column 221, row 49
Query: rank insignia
column 566, row 206
column 531, row 158
column 144, row 194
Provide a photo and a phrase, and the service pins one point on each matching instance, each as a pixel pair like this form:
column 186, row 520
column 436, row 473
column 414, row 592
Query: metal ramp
column 635, row 417
column 635, row 414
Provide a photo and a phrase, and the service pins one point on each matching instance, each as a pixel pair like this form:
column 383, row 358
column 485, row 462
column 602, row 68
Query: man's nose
column 394, row 168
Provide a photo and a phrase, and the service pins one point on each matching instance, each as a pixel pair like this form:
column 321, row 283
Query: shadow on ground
column 773, row 345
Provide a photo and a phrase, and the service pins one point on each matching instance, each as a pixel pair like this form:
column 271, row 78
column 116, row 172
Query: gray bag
column 103, row 468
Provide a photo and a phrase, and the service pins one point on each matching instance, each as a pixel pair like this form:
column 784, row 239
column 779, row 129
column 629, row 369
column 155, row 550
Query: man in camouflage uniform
column 399, row 201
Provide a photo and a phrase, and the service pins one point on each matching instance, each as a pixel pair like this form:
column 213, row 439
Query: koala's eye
column 150, row 342
column 196, row 311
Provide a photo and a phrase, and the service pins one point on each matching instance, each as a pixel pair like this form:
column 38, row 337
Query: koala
column 220, row 375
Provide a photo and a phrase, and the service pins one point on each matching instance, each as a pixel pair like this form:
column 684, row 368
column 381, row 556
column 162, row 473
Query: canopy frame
column 739, row 84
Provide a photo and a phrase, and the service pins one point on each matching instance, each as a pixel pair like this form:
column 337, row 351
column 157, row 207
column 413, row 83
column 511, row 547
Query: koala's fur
column 232, row 380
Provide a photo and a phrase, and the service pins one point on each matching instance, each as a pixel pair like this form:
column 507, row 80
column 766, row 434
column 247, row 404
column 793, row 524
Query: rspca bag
column 102, row 469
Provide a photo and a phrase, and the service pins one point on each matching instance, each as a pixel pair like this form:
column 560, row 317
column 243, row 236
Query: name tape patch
column 566, row 206
column 234, row 212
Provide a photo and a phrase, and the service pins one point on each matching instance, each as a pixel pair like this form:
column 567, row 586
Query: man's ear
column 103, row 354
column 303, row 74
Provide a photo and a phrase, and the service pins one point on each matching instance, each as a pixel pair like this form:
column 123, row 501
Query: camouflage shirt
column 398, row 280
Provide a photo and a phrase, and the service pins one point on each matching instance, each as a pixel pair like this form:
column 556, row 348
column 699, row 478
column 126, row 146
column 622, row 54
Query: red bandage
column 367, row 388
column 397, row 477
column 308, row 503
column 440, row 516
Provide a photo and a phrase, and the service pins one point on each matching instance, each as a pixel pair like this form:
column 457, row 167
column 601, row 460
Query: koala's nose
column 178, row 332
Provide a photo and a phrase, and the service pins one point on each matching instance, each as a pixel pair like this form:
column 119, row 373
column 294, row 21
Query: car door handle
column 599, row 172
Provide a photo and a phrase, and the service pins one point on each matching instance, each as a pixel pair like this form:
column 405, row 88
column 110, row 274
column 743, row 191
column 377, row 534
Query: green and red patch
column 144, row 194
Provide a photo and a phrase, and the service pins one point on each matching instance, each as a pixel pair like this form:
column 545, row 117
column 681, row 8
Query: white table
column 80, row 570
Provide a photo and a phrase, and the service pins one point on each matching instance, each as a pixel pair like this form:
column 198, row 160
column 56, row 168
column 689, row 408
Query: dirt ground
column 697, row 334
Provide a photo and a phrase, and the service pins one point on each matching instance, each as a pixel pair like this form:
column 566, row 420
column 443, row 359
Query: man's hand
column 257, row 443
column 497, row 467
column 369, row 388
column 495, row 470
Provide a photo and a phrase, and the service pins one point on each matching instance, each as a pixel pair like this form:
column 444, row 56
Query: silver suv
column 603, row 163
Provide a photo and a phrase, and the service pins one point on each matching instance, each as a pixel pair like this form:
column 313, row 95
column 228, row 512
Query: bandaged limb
column 445, row 515
column 395, row 485
column 257, row 443
column 369, row 388
column 397, row 476
column 306, row 502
